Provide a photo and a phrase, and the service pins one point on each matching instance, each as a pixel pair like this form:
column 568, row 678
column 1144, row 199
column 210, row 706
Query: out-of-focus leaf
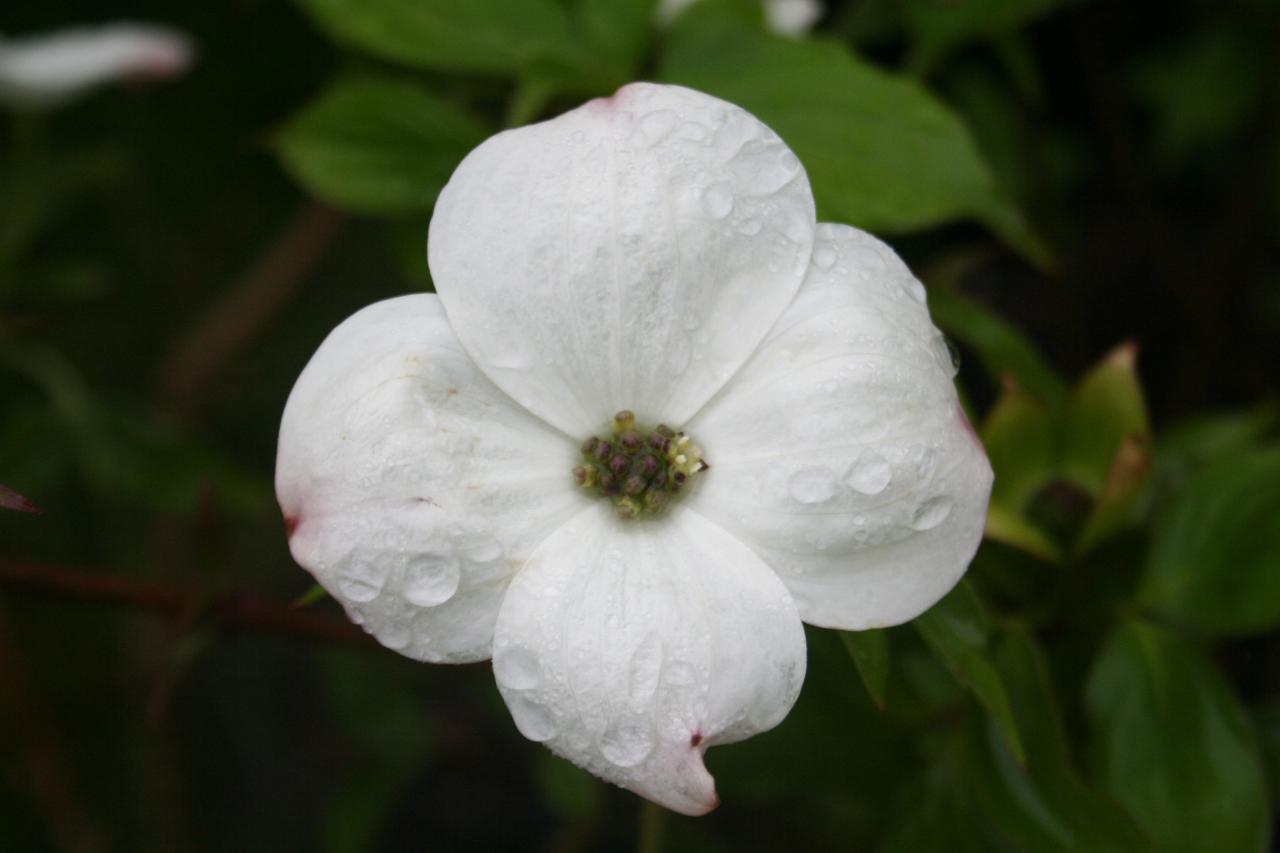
column 1004, row 350
column 1204, row 89
column 388, row 726
column 617, row 33
column 939, row 26
column 1044, row 806
column 485, row 36
column 1190, row 445
column 956, row 630
column 1018, row 531
column 1121, row 493
column 1018, row 436
column 377, row 145
column 1173, row 744
column 572, row 793
column 870, row 653
column 10, row 499
column 881, row 151
column 1215, row 559
column 1104, row 410
column 313, row 594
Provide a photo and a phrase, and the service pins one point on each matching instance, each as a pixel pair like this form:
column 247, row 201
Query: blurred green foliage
column 1094, row 203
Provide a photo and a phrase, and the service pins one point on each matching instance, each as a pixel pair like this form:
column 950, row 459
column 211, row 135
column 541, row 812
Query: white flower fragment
column 49, row 70
column 650, row 257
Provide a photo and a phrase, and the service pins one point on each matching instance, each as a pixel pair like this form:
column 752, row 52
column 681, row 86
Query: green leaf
column 618, row 33
column 1104, row 410
column 1003, row 349
column 497, row 37
column 377, row 145
column 1117, row 506
column 1020, row 532
column 938, row 27
column 1173, row 744
column 870, row 653
column 1018, row 436
column 882, row 153
column 1215, row 557
column 572, row 793
column 956, row 630
column 1045, row 806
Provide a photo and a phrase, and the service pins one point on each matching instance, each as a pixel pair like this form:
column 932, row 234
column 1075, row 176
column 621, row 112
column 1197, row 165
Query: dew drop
column 517, row 668
column 396, row 635
column 646, row 665
column 750, row 226
column 870, row 473
column 627, row 742
column 535, row 721
column 813, row 485
column 431, row 579
column 931, row 513
column 655, row 127
column 358, row 589
column 717, row 200
column 824, row 257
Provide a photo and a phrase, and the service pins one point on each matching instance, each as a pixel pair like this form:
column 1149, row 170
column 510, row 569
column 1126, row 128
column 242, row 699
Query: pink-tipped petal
column 630, row 648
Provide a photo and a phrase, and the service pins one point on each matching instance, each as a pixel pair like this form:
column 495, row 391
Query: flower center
column 640, row 470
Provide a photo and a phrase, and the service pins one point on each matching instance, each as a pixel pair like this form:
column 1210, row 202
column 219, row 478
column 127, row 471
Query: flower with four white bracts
column 51, row 69
column 656, row 252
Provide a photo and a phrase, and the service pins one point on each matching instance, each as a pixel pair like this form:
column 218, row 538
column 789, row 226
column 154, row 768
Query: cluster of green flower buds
column 639, row 470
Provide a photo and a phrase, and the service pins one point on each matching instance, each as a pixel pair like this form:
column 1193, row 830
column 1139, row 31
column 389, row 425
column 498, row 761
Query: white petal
column 792, row 17
column 48, row 69
column 412, row 487
column 629, row 254
column 631, row 648
column 840, row 453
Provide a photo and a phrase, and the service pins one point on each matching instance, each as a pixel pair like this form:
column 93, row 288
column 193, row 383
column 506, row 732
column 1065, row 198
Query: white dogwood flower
column 655, row 417
column 51, row 69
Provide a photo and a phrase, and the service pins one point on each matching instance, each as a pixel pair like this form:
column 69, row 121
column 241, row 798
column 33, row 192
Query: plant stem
column 653, row 825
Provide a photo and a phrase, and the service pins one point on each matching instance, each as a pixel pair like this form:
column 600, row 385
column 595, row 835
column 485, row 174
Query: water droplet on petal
column 646, row 665
column 535, row 721
column 717, row 200
column 870, row 473
column 750, row 226
column 627, row 742
column 813, row 485
column 680, row 674
column 517, row 668
column 431, row 579
column 358, row 588
column 931, row 513
column 655, row 127
column 824, row 257
column 395, row 635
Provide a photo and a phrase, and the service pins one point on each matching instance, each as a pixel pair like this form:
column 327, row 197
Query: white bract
column 51, row 69
column 655, row 251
